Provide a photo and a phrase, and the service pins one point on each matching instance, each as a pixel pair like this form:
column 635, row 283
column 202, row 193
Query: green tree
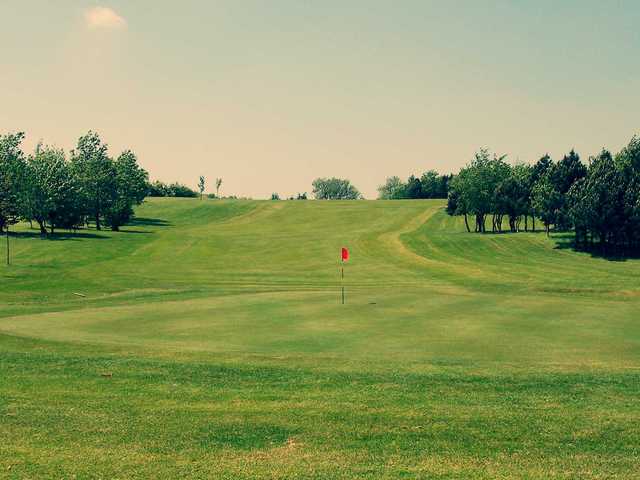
column 538, row 170
column 130, row 189
column 12, row 169
column 392, row 189
column 563, row 175
column 628, row 163
column 512, row 197
column 475, row 186
column 413, row 188
column 601, row 200
column 201, row 186
column 334, row 189
column 457, row 199
column 51, row 191
column 96, row 175
column 546, row 201
column 218, row 185
column 430, row 184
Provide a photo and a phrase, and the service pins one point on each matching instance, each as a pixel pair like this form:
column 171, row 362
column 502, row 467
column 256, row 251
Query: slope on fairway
column 229, row 355
column 262, row 277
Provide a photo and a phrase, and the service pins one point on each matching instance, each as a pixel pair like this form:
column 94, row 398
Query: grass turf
column 211, row 343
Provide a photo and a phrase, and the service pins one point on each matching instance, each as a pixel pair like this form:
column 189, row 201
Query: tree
column 392, row 189
column 430, row 184
column 457, row 203
column 475, row 185
column 201, row 185
column 218, row 185
column 95, row 173
column 413, row 189
column 51, row 191
column 130, row 189
column 628, row 163
column 443, row 190
column 161, row 189
column 598, row 203
column 538, row 170
column 541, row 167
column 546, row 201
column 158, row 189
column 334, row 189
column 435, row 185
column 512, row 198
column 563, row 175
column 12, row 167
column 275, row 196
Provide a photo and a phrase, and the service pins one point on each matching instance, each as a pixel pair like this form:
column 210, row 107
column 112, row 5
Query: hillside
column 220, row 321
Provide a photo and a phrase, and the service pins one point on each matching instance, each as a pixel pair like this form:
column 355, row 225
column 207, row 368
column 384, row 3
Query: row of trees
column 600, row 202
column 56, row 191
column 430, row 185
column 489, row 186
column 334, row 189
column 299, row 196
column 605, row 204
column 161, row 189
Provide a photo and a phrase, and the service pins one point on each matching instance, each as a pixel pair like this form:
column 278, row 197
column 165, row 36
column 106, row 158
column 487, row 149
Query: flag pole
column 342, row 280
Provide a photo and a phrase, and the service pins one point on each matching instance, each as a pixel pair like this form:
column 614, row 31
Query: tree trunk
column 98, row 205
column 466, row 223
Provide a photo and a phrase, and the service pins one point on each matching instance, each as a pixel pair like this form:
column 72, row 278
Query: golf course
column 208, row 339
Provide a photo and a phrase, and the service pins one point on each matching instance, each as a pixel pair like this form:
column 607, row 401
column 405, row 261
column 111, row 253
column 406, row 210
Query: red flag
column 345, row 254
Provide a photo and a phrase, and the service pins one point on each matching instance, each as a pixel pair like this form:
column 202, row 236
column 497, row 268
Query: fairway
column 207, row 339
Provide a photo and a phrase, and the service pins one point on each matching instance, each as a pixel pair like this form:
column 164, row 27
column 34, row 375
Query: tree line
column 56, row 190
column 599, row 201
column 430, row 185
column 327, row 189
column 334, row 189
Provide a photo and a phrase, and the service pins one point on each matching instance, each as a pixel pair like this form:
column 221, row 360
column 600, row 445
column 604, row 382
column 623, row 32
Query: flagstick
column 342, row 280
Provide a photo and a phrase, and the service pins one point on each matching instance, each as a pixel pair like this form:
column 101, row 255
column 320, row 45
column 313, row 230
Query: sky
column 270, row 95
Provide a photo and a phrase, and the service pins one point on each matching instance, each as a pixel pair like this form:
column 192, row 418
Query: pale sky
column 269, row 95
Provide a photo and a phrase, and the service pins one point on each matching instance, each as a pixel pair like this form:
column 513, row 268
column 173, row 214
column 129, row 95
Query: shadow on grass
column 145, row 232
column 59, row 236
column 566, row 241
column 148, row 222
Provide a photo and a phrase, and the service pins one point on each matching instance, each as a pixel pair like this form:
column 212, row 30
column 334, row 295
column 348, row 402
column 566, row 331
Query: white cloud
column 104, row 18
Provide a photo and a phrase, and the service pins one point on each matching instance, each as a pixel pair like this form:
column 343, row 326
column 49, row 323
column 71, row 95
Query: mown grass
column 211, row 343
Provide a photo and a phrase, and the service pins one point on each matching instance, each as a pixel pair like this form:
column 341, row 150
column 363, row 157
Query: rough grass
column 211, row 343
